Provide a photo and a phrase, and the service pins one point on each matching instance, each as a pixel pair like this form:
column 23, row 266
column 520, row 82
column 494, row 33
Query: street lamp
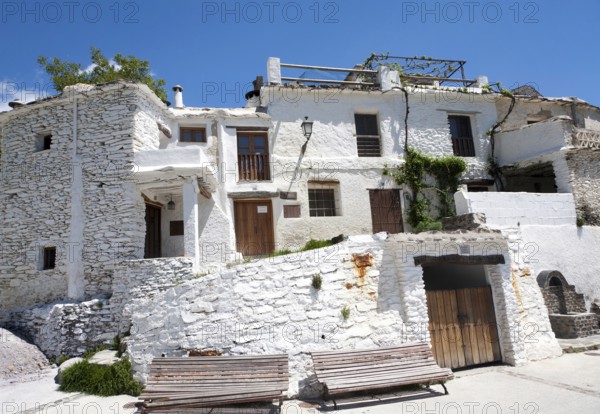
column 171, row 204
column 307, row 127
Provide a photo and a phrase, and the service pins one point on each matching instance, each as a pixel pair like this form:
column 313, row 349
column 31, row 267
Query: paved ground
column 569, row 384
column 580, row 344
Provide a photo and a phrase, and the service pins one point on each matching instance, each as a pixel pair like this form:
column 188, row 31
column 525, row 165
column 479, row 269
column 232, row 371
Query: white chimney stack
column 178, row 96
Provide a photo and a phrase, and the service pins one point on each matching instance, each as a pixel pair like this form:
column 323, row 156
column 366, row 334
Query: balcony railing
column 254, row 167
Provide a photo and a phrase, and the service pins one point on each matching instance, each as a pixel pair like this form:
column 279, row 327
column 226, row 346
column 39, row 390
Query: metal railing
column 365, row 77
column 370, row 74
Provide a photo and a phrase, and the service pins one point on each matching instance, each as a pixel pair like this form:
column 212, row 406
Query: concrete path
column 569, row 384
column 42, row 397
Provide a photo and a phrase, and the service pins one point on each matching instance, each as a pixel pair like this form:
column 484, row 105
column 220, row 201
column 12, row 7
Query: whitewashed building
column 109, row 195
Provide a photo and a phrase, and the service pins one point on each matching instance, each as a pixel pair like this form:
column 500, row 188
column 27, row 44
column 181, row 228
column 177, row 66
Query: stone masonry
column 269, row 306
column 78, row 196
column 584, row 165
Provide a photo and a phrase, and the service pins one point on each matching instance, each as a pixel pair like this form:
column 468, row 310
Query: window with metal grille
column 462, row 136
column 321, row 202
column 367, row 135
column 291, row 211
column 48, row 258
column 176, row 228
column 192, row 134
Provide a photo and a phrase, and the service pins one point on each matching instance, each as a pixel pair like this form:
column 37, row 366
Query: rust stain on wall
column 362, row 262
column 206, row 352
column 515, row 284
column 525, row 272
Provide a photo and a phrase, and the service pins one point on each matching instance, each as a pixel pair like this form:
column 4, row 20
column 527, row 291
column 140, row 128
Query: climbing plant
column 416, row 173
column 492, row 166
column 413, row 66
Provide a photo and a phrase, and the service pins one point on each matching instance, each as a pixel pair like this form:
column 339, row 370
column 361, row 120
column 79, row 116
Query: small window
column 49, row 258
column 462, row 136
column 321, row 202
column 176, row 228
column 43, row 142
column 291, row 211
column 367, row 135
column 192, row 135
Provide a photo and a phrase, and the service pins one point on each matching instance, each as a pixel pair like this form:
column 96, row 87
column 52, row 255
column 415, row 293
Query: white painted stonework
column 116, row 149
column 269, row 306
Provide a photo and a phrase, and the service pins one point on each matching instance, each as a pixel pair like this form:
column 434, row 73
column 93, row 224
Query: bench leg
column 445, row 389
column 328, row 397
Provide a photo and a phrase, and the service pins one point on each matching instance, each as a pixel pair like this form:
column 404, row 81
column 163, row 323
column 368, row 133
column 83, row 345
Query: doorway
column 386, row 211
column 153, row 236
column 462, row 321
column 254, row 227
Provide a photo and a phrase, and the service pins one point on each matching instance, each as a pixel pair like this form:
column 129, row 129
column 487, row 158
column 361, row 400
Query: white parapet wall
column 534, row 140
column 518, row 209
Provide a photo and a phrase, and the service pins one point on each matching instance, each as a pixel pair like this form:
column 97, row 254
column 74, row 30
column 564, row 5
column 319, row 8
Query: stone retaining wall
column 269, row 306
column 574, row 326
column 67, row 328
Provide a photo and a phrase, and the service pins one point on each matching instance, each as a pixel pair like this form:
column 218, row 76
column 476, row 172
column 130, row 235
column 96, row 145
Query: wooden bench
column 197, row 382
column 343, row 372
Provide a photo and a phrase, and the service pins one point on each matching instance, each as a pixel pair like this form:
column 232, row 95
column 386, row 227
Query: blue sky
column 215, row 48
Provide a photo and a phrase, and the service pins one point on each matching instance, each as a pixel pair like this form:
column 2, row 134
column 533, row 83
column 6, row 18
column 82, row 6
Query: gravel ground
column 20, row 361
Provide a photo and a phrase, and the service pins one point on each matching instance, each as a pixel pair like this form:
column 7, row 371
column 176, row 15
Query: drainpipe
column 75, row 273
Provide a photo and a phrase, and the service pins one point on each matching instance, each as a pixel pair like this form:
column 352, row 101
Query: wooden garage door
column 462, row 325
column 254, row 227
column 386, row 211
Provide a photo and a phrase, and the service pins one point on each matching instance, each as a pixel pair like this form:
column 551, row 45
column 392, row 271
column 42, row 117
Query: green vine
column 414, row 173
column 492, row 166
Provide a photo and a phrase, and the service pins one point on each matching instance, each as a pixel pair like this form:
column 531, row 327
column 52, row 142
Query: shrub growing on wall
column 414, row 173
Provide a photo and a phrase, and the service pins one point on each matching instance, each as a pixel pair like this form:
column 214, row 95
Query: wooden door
column 153, row 242
column 254, row 227
column 386, row 211
column 462, row 325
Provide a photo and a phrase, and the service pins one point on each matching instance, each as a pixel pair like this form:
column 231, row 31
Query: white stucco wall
column 331, row 153
column 543, row 227
column 518, row 209
column 568, row 249
column 531, row 141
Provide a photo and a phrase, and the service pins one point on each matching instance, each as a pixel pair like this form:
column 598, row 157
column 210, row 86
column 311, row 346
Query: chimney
column 178, row 97
column 482, row 80
column 253, row 97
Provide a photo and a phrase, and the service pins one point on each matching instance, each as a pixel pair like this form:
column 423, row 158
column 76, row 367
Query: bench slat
column 195, row 382
column 357, row 370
